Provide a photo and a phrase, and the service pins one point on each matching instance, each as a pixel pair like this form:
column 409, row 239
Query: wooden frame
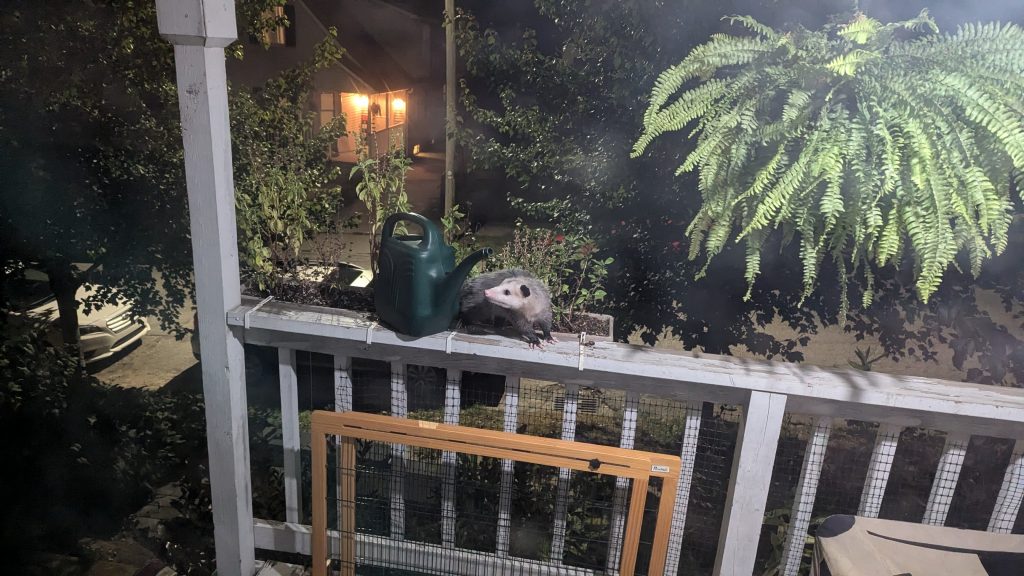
column 635, row 465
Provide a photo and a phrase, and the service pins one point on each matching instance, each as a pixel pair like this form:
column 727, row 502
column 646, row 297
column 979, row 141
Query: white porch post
column 749, row 483
column 199, row 30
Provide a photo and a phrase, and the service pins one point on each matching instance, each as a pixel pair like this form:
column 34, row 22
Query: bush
column 81, row 455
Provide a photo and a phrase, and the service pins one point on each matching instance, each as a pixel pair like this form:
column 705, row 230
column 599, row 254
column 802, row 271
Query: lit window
column 283, row 35
column 397, row 111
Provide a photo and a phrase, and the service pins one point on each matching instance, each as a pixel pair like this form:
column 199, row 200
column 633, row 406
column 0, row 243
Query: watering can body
column 417, row 288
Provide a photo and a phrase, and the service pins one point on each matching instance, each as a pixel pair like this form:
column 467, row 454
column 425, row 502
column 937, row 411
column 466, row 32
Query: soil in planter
column 316, row 294
column 583, row 323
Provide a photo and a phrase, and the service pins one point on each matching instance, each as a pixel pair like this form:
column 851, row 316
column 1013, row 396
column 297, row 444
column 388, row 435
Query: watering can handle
column 429, row 230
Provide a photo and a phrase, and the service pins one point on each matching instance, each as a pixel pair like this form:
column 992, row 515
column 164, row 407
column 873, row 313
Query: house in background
column 388, row 85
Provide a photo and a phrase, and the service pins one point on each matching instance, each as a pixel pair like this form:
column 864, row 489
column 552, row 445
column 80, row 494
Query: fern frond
column 861, row 30
column 923, row 21
column 849, row 63
column 860, row 145
column 753, row 25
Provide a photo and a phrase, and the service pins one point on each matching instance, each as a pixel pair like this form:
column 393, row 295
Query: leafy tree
column 557, row 111
column 90, row 149
column 554, row 109
column 855, row 141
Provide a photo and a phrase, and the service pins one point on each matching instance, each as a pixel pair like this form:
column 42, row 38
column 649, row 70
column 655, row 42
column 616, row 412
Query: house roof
column 365, row 56
column 428, row 10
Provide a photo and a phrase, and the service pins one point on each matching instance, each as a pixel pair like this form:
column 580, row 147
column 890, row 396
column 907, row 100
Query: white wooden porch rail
column 766, row 390
column 200, row 29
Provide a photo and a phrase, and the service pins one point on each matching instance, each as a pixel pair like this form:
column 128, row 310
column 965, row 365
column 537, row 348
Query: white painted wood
column 748, row 484
column 407, row 555
column 688, row 455
column 203, row 104
column 399, row 409
column 209, row 23
column 505, row 497
column 619, row 502
column 806, row 491
column 882, row 456
column 449, row 105
column 342, row 403
column 670, row 374
column 569, row 408
column 453, row 397
column 452, row 410
column 290, row 439
column 342, row 383
column 946, row 477
column 1007, row 507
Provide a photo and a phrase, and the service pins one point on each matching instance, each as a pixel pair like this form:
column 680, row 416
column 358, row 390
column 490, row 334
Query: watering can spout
column 452, row 286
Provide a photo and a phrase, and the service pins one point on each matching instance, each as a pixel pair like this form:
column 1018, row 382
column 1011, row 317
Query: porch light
column 363, row 102
column 398, row 104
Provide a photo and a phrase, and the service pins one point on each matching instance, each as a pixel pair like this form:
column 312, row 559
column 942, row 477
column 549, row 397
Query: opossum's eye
column 525, row 290
column 507, row 293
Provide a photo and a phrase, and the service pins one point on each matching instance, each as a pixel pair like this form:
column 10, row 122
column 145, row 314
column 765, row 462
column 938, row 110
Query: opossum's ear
column 525, row 290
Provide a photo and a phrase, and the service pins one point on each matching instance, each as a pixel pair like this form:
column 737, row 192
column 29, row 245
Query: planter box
column 608, row 319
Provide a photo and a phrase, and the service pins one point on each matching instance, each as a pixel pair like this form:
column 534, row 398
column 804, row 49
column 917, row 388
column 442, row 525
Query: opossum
column 514, row 296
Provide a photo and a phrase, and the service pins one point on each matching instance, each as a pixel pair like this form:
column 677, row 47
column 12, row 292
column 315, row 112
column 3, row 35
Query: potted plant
column 865, row 143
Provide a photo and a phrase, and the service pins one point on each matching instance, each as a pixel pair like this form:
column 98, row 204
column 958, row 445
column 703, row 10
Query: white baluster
column 290, row 434
column 882, row 456
column 946, row 477
column 452, row 403
column 400, row 409
column 505, row 498
column 618, row 519
column 1007, row 507
column 688, row 454
column 564, row 474
column 342, row 384
column 806, row 491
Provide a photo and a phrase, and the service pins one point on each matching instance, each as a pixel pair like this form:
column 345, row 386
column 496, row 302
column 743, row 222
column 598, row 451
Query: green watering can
column 417, row 287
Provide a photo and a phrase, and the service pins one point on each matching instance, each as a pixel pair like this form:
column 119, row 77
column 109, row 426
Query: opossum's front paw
column 534, row 341
column 551, row 339
column 474, row 329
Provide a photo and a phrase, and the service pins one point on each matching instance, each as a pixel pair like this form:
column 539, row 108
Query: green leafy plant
column 777, row 522
column 865, row 360
column 283, row 191
column 381, row 188
column 863, row 144
column 459, row 235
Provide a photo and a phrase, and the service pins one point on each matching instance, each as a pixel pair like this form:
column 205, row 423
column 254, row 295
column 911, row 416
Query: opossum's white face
column 510, row 294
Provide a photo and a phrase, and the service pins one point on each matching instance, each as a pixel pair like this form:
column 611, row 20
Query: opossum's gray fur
column 534, row 309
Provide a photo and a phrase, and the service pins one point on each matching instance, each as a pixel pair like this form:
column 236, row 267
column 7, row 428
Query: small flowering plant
column 569, row 265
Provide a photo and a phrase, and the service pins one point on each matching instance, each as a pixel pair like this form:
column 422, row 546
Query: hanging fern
column 860, row 142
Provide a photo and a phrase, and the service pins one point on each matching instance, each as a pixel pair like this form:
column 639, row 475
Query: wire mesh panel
column 355, row 499
column 1011, row 493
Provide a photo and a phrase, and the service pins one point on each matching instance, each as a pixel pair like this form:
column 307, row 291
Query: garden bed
column 598, row 327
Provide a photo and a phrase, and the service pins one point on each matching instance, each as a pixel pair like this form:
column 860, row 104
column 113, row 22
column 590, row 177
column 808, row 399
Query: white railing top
column 871, row 396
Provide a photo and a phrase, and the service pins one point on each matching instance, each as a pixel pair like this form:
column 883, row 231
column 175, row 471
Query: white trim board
column 872, row 396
